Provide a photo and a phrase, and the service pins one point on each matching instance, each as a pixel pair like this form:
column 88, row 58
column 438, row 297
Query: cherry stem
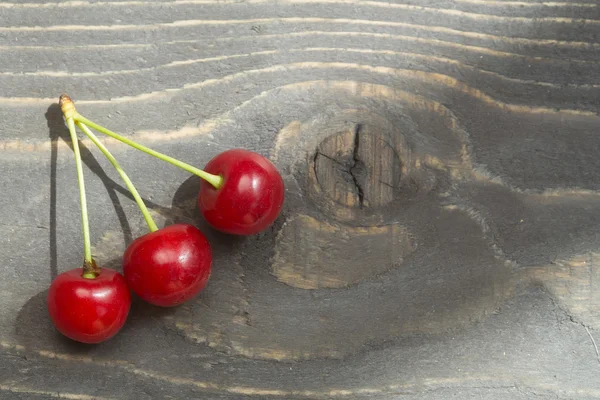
column 138, row 199
column 214, row 180
column 89, row 266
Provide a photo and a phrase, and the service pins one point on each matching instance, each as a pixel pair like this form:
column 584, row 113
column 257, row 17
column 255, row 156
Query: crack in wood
column 319, row 153
column 356, row 164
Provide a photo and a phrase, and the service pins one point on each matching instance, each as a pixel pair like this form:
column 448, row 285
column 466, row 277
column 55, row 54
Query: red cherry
column 250, row 197
column 169, row 266
column 89, row 310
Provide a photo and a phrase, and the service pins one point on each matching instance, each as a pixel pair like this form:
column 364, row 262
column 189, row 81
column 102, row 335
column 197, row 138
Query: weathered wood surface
column 441, row 230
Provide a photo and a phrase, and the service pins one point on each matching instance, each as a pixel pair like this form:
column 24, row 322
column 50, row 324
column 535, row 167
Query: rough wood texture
column 441, row 229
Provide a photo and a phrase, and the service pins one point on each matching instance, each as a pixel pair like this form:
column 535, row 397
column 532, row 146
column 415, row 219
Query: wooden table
column 440, row 233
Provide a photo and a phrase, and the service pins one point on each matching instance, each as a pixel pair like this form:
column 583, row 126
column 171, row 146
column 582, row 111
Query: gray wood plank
column 471, row 272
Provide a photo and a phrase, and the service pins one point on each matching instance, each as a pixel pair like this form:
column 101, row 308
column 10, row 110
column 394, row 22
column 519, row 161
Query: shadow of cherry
column 184, row 209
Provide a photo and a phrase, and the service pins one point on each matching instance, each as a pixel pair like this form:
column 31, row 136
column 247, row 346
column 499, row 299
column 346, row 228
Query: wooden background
column 441, row 227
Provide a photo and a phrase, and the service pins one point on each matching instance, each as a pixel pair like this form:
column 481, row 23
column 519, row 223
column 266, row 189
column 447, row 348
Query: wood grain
column 440, row 232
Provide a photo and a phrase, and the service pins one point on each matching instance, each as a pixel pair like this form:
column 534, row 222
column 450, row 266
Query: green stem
column 214, row 180
column 138, row 199
column 87, row 246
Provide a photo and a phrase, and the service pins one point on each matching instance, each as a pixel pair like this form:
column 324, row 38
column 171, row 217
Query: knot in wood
column 357, row 168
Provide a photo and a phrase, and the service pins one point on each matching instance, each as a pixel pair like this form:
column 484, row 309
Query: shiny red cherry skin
column 89, row 310
column 169, row 266
column 250, row 197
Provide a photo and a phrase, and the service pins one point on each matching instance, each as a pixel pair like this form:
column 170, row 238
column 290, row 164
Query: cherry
column 88, row 304
column 89, row 310
column 169, row 266
column 247, row 191
column 250, row 197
